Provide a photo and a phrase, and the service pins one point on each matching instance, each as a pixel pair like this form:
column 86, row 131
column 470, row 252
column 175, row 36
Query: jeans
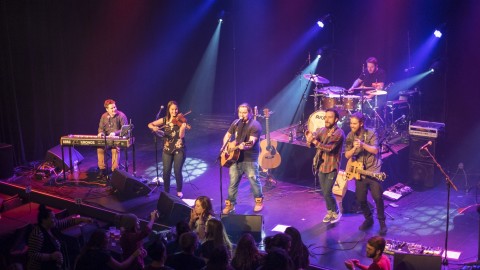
column 236, row 171
column 177, row 159
column 361, row 189
column 326, row 183
column 101, row 157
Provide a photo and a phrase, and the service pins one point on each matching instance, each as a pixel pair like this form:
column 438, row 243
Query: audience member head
column 216, row 231
column 298, row 251
column 130, row 222
column 157, row 251
column 282, row 240
column 267, row 242
column 98, row 239
column 218, row 259
column 180, row 228
column 277, row 259
column 189, row 242
column 246, row 253
column 375, row 246
column 203, row 207
column 45, row 217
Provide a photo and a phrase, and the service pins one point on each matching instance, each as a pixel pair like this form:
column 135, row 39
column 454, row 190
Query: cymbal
column 377, row 92
column 363, row 88
column 331, row 90
column 316, row 78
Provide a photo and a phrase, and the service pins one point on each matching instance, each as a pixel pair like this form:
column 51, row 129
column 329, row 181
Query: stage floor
column 419, row 217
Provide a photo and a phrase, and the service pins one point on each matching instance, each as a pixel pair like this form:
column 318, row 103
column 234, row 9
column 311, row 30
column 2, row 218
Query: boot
column 383, row 228
column 367, row 224
column 229, row 207
column 258, row 205
column 101, row 174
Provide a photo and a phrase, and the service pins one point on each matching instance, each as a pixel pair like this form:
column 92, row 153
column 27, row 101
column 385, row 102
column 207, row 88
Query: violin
column 180, row 119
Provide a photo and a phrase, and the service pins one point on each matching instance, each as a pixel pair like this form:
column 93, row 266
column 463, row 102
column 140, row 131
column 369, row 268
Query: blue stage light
column 437, row 33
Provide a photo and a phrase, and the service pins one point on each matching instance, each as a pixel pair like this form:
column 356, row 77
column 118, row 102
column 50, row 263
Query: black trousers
column 376, row 189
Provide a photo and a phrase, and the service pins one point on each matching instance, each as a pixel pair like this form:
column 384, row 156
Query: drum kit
column 338, row 98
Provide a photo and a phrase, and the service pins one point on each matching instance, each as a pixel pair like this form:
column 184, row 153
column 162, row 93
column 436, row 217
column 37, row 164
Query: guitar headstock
column 266, row 112
column 380, row 176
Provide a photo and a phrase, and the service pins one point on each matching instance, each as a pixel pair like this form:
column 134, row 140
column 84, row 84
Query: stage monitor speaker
column 127, row 186
column 237, row 225
column 172, row 209
column 406, row 261
column 415, row 154
column 6, row 161
column 54, row 155
column 421, row 173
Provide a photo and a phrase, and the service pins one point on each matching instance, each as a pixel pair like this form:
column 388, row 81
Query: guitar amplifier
column 425, row 129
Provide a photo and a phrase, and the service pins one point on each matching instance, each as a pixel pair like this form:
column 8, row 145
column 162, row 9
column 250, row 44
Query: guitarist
column 245, row 131
column 329, row 141
column 362, row 146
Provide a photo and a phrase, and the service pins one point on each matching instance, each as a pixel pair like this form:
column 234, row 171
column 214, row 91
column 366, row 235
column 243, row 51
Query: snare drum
column 316, row 120
column 350, row 102
column 330, row 101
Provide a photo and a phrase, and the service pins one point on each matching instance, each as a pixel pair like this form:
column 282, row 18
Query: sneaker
column 336, row 217
column 328, row 216
column 367, row 224
column 258, row 205
column 229, row 208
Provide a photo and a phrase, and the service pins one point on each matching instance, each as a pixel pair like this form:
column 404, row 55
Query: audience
column 247, row 256
column 132, row 237
column 298, row 250
column 201, row 213
column 95, row 254
column 158, row 253
column 277, row 259
column 186, row 260
column 174, row 245
column 215, row 237
column 44, row 247
column 219, row 259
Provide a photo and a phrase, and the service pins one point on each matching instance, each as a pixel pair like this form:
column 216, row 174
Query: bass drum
column 316, row 120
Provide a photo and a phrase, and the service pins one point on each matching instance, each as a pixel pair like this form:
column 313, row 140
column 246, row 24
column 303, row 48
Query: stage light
column 437, row 33
column 326, row 18
column 221, row 14
column 220, row 20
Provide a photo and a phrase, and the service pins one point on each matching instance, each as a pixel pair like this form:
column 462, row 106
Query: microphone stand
column 449, row 185
column 155, row 140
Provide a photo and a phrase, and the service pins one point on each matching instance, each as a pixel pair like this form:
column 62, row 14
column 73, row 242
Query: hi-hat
column 377, row 92
column 316, row 78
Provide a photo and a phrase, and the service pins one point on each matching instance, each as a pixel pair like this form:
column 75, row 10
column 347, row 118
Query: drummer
column 374, row 77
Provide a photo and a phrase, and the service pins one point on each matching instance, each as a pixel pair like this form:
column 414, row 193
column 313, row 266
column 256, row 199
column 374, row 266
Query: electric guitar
column 269, row 157
column 232, row 154
column 355, row 168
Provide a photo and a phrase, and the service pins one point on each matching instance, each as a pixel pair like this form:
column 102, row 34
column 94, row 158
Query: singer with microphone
column 245, row 131
column 110, row 124
column 174, row 152
column 362, row 146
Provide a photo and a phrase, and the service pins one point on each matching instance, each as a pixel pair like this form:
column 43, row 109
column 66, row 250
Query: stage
column 419, row 217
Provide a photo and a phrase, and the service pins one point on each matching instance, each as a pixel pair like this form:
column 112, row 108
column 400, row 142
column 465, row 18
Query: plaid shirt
column 329, row 147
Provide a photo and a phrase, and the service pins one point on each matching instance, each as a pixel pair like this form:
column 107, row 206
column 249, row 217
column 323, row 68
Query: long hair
column 170, row 103
column 206, row 204
column 246, row 254
column 298, row 250
column 43, row 213
column 216, row 232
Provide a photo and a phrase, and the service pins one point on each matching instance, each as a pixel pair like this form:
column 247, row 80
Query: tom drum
column 330, row 101
column 350, row 102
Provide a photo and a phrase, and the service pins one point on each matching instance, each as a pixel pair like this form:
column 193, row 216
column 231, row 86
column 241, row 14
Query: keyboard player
column 110, row 124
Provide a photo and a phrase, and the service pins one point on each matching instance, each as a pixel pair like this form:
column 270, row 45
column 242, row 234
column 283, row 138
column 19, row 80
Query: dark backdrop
column 61, row 59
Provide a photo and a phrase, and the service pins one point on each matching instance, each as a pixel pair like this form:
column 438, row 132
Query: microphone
column 425, row 145
column 158, row 114
column 399, row 119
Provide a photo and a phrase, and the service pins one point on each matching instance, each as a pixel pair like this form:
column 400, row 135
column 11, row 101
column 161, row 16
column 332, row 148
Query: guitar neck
column 267, row 130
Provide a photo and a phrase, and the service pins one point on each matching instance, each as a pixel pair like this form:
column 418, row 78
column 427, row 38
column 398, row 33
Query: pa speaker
column 406, row 261
column 237, row 225
column 421, row 173
column 421, row 155
column 6, row 161
column 127, row 186
column 54, row 155
column 171, row 209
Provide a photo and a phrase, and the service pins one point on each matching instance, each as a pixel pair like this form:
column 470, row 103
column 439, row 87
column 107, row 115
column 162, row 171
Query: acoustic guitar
column 355, row 168
column 232, row 154
column 269, row 157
